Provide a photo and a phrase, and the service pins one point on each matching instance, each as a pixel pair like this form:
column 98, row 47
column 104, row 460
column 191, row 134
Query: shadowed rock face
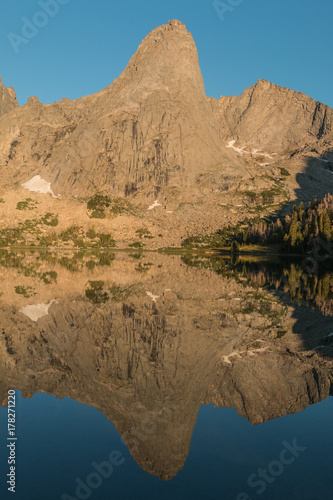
column 271, row 386
column 8, row 99
column 272, row 118
column 147, row 348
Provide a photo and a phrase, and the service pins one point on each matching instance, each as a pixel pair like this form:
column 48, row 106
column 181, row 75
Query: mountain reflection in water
column 147, row 339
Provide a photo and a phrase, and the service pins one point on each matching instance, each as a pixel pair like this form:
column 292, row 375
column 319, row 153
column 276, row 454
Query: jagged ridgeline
column 152, row 153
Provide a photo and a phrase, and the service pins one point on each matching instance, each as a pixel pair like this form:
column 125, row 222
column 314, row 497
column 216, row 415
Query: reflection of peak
column 148, row 366
column 288, row 386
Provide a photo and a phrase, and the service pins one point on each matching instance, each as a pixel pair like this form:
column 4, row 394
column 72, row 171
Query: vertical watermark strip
column 11, row 441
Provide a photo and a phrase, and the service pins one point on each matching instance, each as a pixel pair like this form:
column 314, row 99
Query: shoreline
column 266, row 251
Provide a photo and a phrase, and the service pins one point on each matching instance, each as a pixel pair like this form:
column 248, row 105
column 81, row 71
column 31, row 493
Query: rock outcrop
column 151, row 130
column 272, row 118
column 8, row 99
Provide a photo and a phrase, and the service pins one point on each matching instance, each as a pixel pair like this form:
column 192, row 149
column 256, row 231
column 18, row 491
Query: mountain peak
column 176, row 24
column 273, row 118
column 167, row 57
column 263, row 83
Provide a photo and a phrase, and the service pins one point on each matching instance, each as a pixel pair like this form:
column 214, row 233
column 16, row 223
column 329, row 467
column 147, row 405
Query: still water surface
column 198, row 378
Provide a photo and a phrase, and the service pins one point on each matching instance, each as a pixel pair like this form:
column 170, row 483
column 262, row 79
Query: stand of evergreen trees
column 298, row 231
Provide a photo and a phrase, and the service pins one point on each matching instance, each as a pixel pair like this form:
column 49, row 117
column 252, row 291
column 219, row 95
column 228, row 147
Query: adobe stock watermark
column 222, row 8
column 261, row 480
column 31, row 27
column 104, row 470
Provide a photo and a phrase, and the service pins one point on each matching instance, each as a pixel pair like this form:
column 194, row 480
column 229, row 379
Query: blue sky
column 87, row 44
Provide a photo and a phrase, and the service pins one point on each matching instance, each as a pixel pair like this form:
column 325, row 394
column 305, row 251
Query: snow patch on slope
column 255, row 152
column 231, row 145
column 152, row 296
column 155, row 205
column 36, row 311
column 238, row 354
column 39, row 185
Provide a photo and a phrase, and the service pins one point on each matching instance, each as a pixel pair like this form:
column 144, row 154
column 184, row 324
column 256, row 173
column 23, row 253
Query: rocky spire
column 151, row 131
column 8, row 99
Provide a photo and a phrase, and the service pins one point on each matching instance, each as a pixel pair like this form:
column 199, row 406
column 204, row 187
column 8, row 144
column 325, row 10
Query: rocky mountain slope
column 152, row 128
column 154, row 139
column 271, row 118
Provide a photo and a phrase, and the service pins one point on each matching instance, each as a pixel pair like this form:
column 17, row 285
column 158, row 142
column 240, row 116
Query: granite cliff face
column 150, row 130
column 272, row 118
column 148, row 341
column 185, row 162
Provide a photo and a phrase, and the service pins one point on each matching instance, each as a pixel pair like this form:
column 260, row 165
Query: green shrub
column 250, row 194
column 48, row 240
column 97, row 205
column 49, row 277
column 98, row 214
column 50, row 220
column 101, row 205
column 27, row 204
column 70, row 233
column 91, row 234
column 234, row 247
column 106, row 240
column 95, row 292
column 137, row 244
column 144, row 233
column 268, row 194
column 27, row 292
column 284, row 171
column 99, row 202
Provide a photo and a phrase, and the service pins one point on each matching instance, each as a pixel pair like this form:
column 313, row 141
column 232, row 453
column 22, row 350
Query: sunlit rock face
column 171, row 159
column 8, row 99
column 267, row 117
column 152, row 129
column 148, row 340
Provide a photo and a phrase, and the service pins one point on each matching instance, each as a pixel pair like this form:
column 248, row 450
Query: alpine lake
column 151, row 376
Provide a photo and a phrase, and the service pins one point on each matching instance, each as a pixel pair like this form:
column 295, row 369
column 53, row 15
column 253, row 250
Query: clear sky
column 84, row 46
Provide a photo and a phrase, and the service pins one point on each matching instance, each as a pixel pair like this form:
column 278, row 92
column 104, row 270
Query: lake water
column 149, row 376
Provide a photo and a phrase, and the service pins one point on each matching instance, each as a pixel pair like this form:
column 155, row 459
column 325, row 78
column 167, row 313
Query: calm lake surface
column 149, row 376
